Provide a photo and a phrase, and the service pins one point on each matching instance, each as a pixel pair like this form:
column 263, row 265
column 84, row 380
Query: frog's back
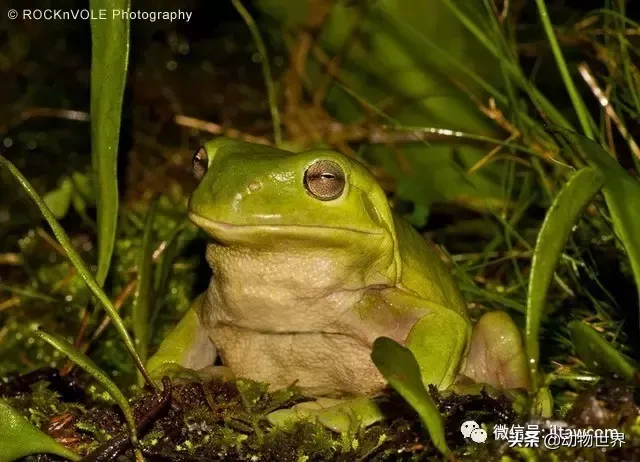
column 423, row 271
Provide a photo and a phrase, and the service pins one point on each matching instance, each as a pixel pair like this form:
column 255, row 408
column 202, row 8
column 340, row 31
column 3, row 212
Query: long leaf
column 110, row 56
column 163, row 268
column 20, row 438
column 576, row 99
column 272, row 95
column 66, row 348
column 510, row 66
column 598, row 354
column 621, row 193
column 143, row 294
column 554, row 233
column 79, row 264
column 398, row 365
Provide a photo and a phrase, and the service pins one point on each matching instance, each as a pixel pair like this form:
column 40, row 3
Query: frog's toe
column 341, row 416
column 497, row 355
column 216, row 372
column 282, row 417
column 179, row 374
column 475, row 388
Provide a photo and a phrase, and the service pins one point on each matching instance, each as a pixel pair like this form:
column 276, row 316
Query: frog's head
column 255, row 196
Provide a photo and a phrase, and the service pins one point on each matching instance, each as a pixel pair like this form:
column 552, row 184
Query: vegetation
column 503, row 130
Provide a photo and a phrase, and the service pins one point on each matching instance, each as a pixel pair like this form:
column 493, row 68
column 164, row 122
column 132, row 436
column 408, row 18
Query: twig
column 117, row 304
column 11, row 259
column 336, row 62
column 29, row 113
column 501, row 15
column 588, row 77
column 491, row 154
column 217, row 129
column 10, row 303
column 51, row 241
column 317, row 13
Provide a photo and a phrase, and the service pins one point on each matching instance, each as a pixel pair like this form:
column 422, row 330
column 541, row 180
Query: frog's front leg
column 497, row 355
column 437, row 336
column 439, row 341
column 188, row 346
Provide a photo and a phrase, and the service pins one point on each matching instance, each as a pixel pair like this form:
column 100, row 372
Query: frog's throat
column 227, row 231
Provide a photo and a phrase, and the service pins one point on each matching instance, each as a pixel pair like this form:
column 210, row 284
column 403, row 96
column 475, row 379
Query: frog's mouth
column 227, row 233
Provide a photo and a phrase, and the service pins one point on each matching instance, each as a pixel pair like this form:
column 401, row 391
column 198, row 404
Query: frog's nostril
column 254, row 186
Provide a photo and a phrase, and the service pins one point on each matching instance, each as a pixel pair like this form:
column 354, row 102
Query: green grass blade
column 20, row 438
column 458, row 135
column 163, row 268
column 110, row 56
column 512, row 68
column 66, row 348
column 399, row 367
column 79, row 264
column 598, row 354
column 143, row 294
column 576, row 99
column 621, row 193
column 627, row 65
column 554, row 233
column 266, row 70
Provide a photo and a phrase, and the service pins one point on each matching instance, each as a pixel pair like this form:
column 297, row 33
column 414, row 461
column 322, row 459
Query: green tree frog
column 310, row 265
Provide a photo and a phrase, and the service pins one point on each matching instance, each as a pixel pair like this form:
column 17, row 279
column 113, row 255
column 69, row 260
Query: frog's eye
column 200, row 164
column 324, row 180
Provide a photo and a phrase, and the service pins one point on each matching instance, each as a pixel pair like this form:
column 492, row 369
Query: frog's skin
column 310, row 266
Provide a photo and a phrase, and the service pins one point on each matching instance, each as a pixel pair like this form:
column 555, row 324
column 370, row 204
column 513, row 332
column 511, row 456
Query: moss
column 227, row 420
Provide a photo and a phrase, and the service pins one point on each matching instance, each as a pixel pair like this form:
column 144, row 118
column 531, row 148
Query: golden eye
column 325, row 180
column 200, row 164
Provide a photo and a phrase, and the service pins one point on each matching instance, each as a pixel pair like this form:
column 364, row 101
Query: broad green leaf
column 143, row 294
column 76, row 190
column 554, row 233
column 79, row 264
column 110, row 56
column 399, row 367
column 598, row 354
column 20, row 438
column 621, row 193
column 84, row 192
column 59, row 199
column 66, row 348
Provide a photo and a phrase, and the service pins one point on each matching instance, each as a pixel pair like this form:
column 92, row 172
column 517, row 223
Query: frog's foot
column 181, row 375
column 514, row 394
column 187, row 347
column 338, row 415
column 471, row 389
column 517, row 396
column 497, row 356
